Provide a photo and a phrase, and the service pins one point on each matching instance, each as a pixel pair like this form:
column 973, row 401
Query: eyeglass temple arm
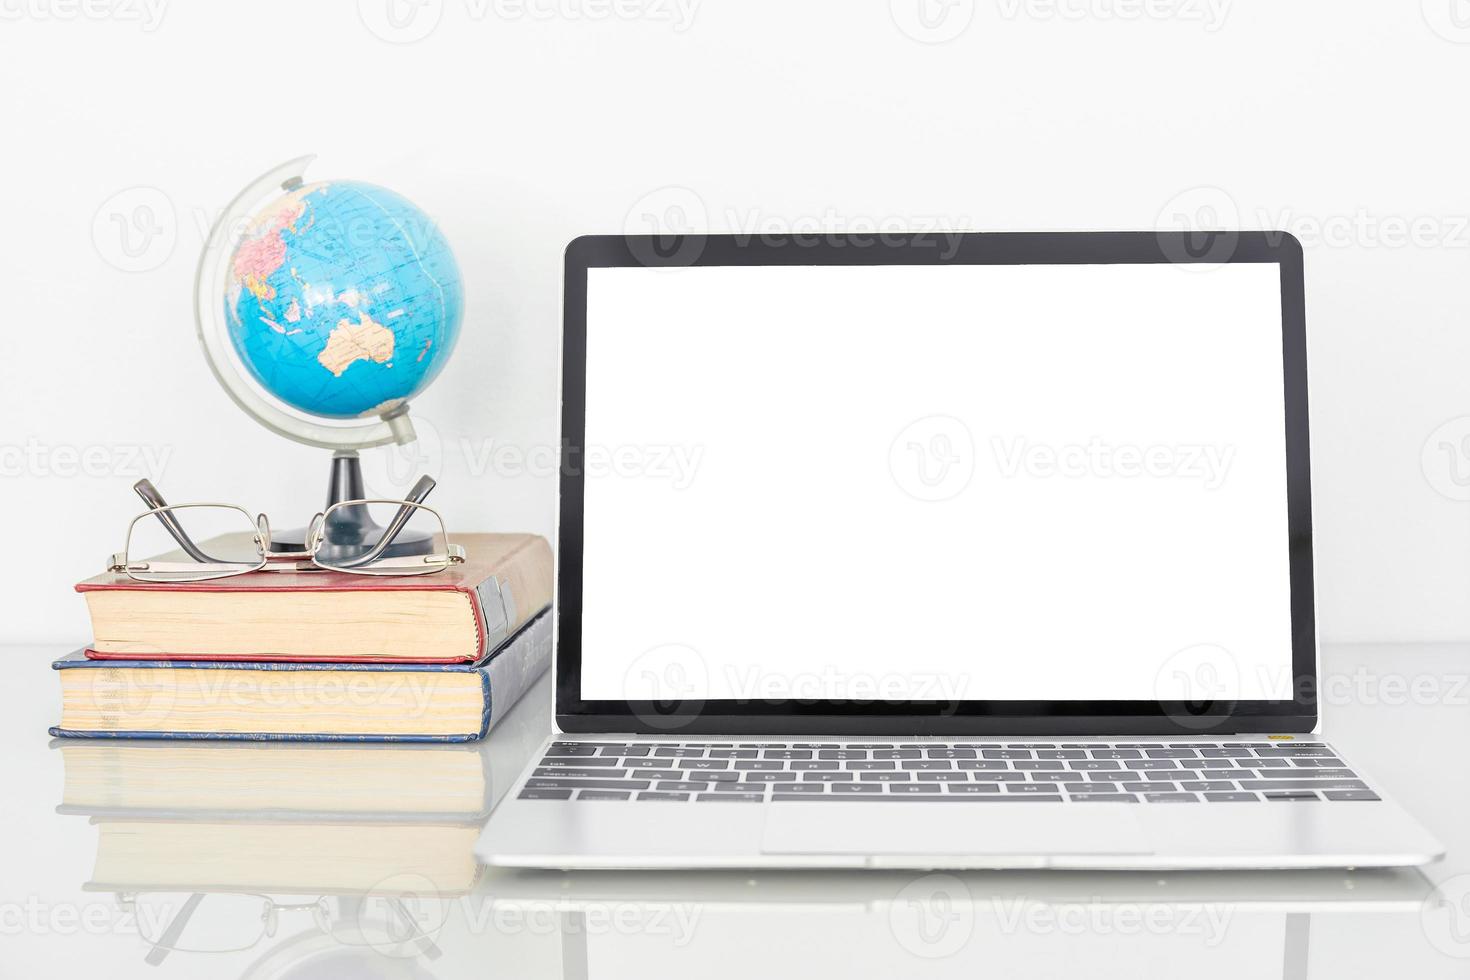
column 420, row 490
column 145, row 489
column 165, row 943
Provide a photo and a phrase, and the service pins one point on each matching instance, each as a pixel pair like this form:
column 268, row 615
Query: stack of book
column 315, row 655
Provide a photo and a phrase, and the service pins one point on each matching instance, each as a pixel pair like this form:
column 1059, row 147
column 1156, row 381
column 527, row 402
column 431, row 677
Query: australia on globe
column 344, row 299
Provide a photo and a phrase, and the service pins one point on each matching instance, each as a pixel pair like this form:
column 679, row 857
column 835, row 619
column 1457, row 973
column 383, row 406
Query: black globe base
column 351, row 531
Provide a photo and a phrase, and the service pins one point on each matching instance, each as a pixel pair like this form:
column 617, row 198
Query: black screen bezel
column 975, row 718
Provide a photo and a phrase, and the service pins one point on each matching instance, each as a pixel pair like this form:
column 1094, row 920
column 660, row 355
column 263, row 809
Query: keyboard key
column 1083, row 788
column 827, row 777
column 737, row 797
column 1141, row 787
column 1054, row 777
column 1171, row 754
column 579, row 762
column 1095, row 798
column 679, row 786
column 857, row 787
column 768, row 777
column 987, row 764
column 664, row 797
column 1350, row 794
column 1032, row 788
column 1309, row 774
column 950, row 753
column 698, row 775
column 1030, row 765
column 1225, row 753
column 626, row 751
column 801, row 788
column 1115, row 754
column 705, row 764
column 1328, row 762
column 1091, row 765
column 1170, row 798
column 1061, row 754
column 972, row 788
column 944, row 777
column 1302, row 784
column 1150, row 764
column 545, row 794
column 1112, row 777
column 915, row 788
column 1005, row 754
column 733, row 753
column 1232, row 797
column 1207, row 786
column 1191, row 745
column 761, row 765
column 786, row 754
column 1292, row 797
column 602, row 794
column 886, row 777
column 639, row 762
column 842, row 754
column 1200, row 763
column 551, row 773
column 814, row 766
column 870, row 745
column 679, row 753
column 1001, row 777
column 650, row 773
column 1266, row 763
column 870, row 765
column 815, row 745
column 897, row 754
column 535, row 783
column 571, row 750
column 929, row 764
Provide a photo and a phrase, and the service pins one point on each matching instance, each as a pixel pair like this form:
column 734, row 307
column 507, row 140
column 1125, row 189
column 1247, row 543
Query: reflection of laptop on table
column 965, row 551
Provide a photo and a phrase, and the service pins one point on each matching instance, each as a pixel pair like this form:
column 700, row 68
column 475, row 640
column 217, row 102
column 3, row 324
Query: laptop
column 938, row 551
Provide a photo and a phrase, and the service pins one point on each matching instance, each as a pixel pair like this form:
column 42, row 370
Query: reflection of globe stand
column 345, row 535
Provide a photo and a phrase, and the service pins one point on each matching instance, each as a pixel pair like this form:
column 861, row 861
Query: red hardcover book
column 458, row 615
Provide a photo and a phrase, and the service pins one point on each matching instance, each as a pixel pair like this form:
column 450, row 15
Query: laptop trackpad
column 968, row 829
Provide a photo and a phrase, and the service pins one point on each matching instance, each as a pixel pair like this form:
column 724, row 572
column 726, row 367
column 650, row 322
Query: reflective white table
column 129, row 860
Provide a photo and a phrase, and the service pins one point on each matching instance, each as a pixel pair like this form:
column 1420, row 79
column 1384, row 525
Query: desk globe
column 322, row 308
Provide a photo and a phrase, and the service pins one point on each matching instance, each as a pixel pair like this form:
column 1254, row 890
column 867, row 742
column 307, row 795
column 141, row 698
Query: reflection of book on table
column 345, row 856
column 300, row 701
column 453, row 616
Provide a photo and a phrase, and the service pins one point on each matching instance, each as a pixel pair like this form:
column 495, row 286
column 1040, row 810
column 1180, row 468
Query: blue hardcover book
column 278, row 701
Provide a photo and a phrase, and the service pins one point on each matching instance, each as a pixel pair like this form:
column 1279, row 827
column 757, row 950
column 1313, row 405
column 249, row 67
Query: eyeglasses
column 200, row 542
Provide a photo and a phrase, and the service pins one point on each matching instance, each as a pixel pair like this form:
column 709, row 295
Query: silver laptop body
column 938, row 551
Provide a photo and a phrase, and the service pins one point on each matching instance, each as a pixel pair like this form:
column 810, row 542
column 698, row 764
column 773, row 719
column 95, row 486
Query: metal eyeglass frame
column 369, row 562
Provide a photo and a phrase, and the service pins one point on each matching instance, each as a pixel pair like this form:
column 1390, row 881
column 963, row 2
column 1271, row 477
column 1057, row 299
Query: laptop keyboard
column 1038, row 772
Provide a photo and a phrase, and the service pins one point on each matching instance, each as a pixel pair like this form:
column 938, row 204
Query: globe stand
column 351, row 530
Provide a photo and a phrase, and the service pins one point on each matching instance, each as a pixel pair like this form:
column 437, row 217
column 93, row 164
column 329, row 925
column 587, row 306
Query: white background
column 517, row 130
column 934, row 483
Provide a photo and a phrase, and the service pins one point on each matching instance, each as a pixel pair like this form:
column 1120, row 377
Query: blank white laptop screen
column 1043, row 482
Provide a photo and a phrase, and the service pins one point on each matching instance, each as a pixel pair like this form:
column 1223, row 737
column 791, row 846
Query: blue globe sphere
column 344, row 299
